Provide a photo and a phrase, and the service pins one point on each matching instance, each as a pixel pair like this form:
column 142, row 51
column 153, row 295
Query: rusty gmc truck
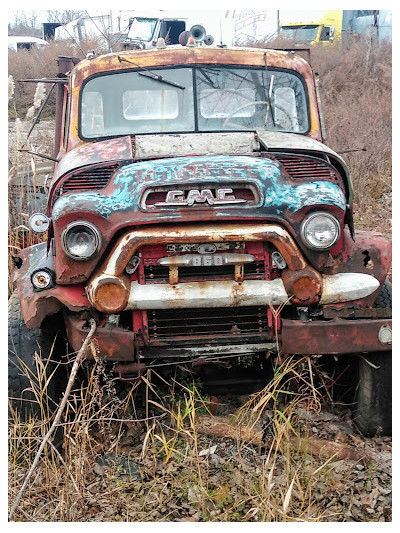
column 196, row 214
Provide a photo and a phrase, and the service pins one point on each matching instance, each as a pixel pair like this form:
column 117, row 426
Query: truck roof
column 184, row 55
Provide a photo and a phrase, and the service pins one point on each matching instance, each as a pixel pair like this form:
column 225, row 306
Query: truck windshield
column 299, row 33
column 142, row 28
column 193, row 100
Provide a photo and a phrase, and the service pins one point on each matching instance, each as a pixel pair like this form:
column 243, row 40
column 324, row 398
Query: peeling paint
column 128, row 184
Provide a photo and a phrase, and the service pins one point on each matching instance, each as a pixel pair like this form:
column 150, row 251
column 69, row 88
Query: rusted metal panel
column 114, row 344
column 369, row 312
column 119, row 149
column 314, row 338
column 276, row 140
column 163, row 145
column 36, row 305
column 369, row 253
column 126, row 369
column 279, row 192
column 275, row 197
column 337, row 336
column 190, row 56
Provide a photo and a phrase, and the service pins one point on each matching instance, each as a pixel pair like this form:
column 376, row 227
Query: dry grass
column 357, row 94
column 136, row 454
column 163, row 449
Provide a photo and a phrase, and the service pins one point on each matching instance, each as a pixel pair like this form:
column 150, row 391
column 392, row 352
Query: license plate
column 174, row 248
column 205, row 260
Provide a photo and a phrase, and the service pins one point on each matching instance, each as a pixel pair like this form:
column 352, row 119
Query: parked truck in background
column 336, row 26
column 139, row 29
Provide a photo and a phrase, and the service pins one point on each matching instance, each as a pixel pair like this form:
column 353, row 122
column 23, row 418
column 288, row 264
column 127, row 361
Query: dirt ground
column 215, row 478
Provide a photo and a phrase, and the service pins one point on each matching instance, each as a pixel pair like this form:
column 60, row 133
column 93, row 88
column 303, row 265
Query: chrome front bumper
column 336, row 288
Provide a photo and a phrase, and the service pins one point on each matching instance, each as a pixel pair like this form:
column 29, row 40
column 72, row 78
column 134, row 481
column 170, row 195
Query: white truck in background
column 142, row 29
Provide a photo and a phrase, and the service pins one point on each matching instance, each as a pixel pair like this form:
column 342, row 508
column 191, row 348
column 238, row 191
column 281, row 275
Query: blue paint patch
column 130, row 182
column 303, row 195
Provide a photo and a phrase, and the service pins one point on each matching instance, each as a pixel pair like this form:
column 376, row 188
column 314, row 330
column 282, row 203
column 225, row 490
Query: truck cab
column 325, row 30
column 195, row 212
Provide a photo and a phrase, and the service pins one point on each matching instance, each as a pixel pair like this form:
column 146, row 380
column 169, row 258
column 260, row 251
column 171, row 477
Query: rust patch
column 110, row 294
column 375, row 262
column 303, row 286
column 239, row 272
column 332, row 337
column 129, row 368
column 173, row 275
column 114, row 344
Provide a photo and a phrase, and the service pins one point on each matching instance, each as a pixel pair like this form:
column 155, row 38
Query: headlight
column 320, row 231
column 81, row 240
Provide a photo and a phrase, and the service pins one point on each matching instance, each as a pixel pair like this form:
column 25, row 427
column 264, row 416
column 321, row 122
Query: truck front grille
column 151, row 272
column 177, row 323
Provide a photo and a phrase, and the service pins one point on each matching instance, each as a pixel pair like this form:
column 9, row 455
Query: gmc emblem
column 196, row 196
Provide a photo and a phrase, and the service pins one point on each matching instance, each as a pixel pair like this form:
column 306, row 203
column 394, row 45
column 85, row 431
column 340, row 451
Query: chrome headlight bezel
column 309, row 219
column 90, row 229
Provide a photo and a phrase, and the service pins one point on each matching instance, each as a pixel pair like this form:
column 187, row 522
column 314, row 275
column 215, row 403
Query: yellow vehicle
column 327, row 29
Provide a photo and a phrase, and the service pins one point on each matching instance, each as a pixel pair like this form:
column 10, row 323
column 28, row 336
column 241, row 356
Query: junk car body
column 195, row 212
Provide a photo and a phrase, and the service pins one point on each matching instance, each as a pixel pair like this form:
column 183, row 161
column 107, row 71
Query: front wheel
column 373, row 412
column 32, row 384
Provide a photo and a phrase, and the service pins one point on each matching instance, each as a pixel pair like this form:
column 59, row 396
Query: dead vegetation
column 154, row 452
column 356, row 93
column 121, row 456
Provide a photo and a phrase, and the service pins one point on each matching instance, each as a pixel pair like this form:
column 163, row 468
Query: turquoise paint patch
column 295, row 198
column 130, row 182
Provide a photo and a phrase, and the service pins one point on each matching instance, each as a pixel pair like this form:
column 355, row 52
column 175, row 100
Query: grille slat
column 300, row 168
column 89, row 178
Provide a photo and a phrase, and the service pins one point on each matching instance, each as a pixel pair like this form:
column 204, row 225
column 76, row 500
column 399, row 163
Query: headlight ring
column 81, row 240
column 320, row 231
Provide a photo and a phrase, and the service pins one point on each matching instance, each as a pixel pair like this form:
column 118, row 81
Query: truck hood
column 142, row 147
column 131, row 184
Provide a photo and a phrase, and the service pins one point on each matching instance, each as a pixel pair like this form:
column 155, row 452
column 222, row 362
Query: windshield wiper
column 157, row 77
column 150, row 74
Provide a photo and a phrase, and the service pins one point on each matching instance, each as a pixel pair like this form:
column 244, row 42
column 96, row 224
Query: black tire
column 23, row 388
column 384, row 298
column 373, row 412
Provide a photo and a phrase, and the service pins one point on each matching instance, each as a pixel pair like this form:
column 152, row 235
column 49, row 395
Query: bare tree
column 63, row 16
